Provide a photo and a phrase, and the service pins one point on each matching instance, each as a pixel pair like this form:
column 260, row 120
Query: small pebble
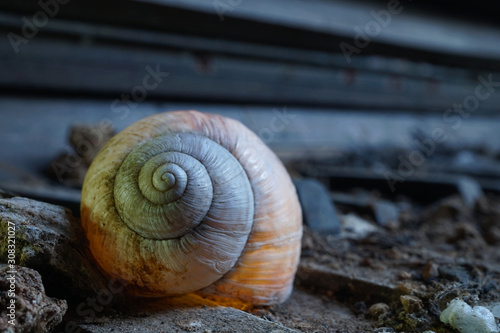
column 470, row 190
column 386, row 214
column 406, row 288
column 454, row 273
column 317, row 208
column 495, row 309
column 430, row 271
column 411, row 304
column 379, row 309
column 357, row 228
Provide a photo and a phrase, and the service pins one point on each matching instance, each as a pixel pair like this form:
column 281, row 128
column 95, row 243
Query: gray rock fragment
column 25, row 308
column 354, row 227
column 386, row 213
column 188, row 319
column 470, row 190
column 50, row 240
column 317, row 208
column 454, row 273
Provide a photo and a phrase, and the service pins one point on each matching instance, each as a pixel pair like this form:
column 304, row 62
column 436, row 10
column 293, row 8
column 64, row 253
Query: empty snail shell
column 186, row 201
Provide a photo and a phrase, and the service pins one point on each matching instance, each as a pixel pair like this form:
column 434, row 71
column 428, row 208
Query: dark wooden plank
column 63, row 66
column 417, row 32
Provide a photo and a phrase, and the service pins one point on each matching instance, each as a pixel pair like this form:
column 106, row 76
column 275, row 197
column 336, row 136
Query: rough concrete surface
column 195, row 319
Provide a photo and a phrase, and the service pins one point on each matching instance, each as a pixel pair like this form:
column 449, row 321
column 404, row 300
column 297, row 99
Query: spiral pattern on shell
column 184, row 201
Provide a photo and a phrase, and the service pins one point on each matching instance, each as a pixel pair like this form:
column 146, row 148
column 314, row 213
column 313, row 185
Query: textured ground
column 396, row 278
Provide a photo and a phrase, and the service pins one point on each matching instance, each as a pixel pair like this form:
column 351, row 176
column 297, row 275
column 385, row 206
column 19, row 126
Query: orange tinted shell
column 185, row 201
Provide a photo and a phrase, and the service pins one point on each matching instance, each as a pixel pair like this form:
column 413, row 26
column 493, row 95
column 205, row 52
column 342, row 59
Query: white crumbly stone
column 355, row 227
column 495, row 309
column 466, row 319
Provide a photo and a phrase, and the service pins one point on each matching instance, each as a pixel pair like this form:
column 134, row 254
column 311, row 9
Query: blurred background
column 398, row 96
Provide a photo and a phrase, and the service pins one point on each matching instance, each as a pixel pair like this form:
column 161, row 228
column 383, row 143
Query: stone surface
column 354, row 227
column 495, row 309
column 447, row 208
column 470, row 190
column 386, row 213
column 50, row 240
column 317, row 208
column 32, row 310
column 411, row 304
column 338, row 280
column 303, row 312
column 379, row 309
column 430, row 271
column 454, row 273
column 88, row 139
column 364, row 285
column 182, row 318
column 70, row 166
column 68, row 169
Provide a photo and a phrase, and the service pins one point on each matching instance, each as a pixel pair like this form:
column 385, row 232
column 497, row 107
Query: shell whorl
column 184, row 201
column 167, row 186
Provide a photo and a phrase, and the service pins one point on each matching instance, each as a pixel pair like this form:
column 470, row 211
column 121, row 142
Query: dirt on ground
column 392, row 279
column 400, row 278
column 393, row 264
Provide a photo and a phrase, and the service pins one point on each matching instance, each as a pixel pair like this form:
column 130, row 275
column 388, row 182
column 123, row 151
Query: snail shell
column 185, row 201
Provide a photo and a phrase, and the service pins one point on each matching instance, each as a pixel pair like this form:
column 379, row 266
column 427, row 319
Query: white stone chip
column 466, row 319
